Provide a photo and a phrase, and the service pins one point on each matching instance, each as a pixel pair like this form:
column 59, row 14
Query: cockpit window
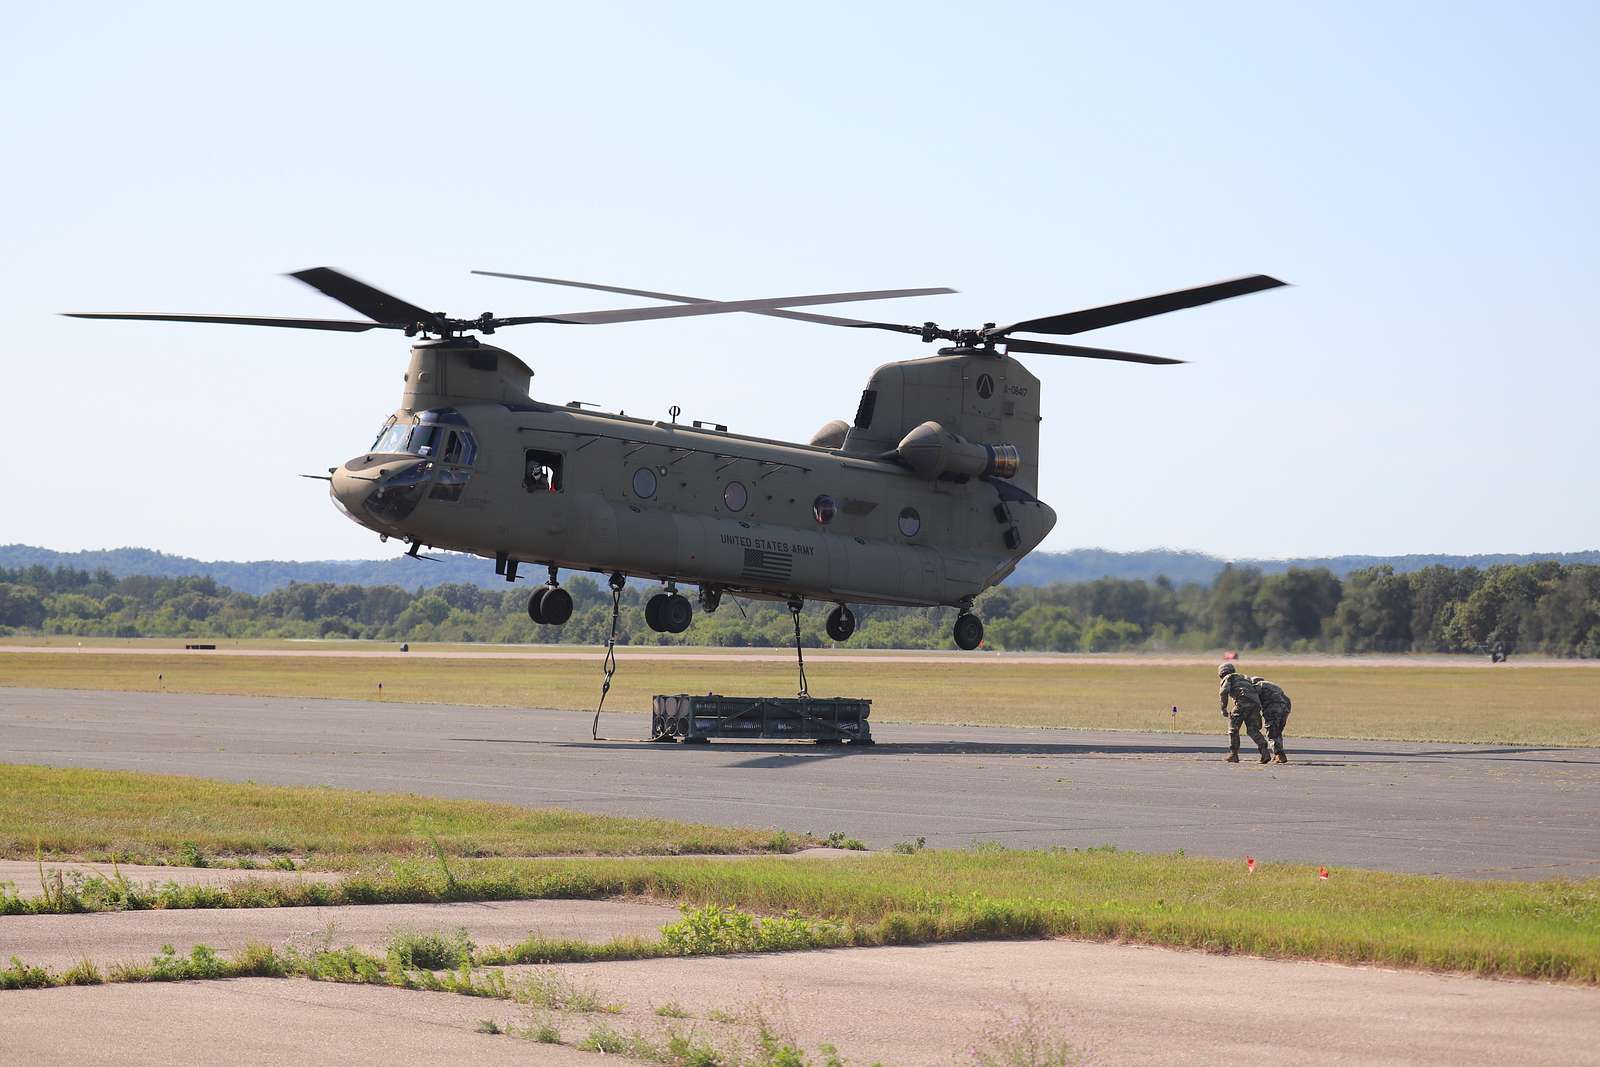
column 429, row 439
column 425, row 440
column 393, row 437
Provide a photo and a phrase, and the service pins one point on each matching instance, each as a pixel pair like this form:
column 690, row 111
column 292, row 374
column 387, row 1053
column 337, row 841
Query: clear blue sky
column 1425, row 174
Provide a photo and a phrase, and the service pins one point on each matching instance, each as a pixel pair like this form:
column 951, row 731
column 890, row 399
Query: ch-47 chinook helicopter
column 926, row 498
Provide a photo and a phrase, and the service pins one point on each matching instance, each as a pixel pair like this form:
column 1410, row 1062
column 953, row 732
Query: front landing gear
column 841, row 623
column 968, row 631
column 550, row 605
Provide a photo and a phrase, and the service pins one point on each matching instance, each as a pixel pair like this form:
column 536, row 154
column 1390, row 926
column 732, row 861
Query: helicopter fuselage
column 472, row 463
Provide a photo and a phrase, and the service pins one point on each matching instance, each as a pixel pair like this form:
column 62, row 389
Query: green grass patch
column 156, row 818
column 470, row 852
column 1428, row 702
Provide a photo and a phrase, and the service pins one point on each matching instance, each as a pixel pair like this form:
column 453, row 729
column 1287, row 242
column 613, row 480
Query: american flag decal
column 767, row 566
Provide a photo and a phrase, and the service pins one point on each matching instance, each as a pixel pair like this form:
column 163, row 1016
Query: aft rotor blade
column 801, row 316
column 718, row 307
column 342, row 325
column 1131, row 310
column 1050, row 348
column 374, row 303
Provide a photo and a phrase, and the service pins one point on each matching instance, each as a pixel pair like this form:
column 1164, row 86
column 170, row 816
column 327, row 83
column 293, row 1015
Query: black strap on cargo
column 617, row 584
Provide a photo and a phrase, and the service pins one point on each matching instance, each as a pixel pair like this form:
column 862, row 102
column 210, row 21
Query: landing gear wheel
column 968, row 632
column 675, row 613
column 555, row 606
column 536, row 603
column 652, row 612
column 841, row 623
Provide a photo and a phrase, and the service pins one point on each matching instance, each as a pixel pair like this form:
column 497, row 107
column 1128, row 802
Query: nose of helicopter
column 379, row 494
column 349, row 491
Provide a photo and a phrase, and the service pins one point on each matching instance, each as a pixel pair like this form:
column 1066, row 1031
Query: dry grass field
column 1346, row 698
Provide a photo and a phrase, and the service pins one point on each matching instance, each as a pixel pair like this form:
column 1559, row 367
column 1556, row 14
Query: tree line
column 1545, row 607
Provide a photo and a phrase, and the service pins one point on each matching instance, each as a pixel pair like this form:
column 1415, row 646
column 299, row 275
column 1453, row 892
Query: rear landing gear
column 968, row 631
column 841, row 623
column 669, row 613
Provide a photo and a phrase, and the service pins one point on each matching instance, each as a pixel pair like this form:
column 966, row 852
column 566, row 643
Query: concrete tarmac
column 107, row 937
column 1120, row 1004
column 1467, row 810
column 23, row 875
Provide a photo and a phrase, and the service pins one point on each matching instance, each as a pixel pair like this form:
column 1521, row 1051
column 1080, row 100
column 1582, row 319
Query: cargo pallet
column 697, row 719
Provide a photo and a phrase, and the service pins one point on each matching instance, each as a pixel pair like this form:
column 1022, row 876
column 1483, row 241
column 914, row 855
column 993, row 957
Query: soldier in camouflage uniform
column 1274, row 712
column 1245, row 711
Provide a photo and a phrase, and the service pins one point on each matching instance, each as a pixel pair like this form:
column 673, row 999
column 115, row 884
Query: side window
column 462, row 448
column 542, row 472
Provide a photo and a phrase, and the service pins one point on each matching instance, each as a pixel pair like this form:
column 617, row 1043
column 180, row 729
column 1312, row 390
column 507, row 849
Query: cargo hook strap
column 617, row 584
column 805, row 690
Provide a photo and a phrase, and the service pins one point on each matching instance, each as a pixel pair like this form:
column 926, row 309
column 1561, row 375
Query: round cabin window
column 910, row 522
column 823, row 509
column 644, row 483
column 735, row 496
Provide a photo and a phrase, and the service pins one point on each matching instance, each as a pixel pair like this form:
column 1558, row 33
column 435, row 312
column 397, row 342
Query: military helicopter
column 927, row 497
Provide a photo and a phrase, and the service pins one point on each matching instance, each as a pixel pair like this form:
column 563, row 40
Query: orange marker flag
column 1322, row 873
column 1250, row 864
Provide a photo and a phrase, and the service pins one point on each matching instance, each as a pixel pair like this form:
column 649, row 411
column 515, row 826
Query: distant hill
column 1087, row 564
column 261, row 576
column 1041, row 568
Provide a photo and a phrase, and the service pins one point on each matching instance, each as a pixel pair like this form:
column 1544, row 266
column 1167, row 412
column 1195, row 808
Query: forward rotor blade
column 1050, row 348
column 718, row 307
column 801, row 316
column 342, row 325
column 374, row 303
column 1143, row 308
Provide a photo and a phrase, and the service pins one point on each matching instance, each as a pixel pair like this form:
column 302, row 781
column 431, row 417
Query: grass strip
column 153, row 818
column 1543, row 705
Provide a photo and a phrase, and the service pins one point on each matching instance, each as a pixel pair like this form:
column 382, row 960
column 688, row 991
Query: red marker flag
column 1322, row 873
column 1250, row 864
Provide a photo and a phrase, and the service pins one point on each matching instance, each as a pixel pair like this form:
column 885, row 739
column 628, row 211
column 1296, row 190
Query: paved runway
column 1479, row 811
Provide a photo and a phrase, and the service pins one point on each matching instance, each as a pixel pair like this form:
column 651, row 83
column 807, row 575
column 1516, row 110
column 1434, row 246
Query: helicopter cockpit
column 440, row 434
column 445, row 447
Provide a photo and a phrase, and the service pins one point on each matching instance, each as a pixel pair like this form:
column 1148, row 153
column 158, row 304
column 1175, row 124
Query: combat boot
column 1233, row 757
column 1266, row 757
column 1281, row 758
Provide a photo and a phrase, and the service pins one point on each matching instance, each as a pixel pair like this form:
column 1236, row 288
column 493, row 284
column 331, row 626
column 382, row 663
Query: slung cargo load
column 831, row 720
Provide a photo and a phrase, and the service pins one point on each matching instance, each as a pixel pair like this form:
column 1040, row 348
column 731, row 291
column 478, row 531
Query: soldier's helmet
column 1225, row 670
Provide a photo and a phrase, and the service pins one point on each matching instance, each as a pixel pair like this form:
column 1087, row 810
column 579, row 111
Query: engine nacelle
column 831, row 435
column 931, row 451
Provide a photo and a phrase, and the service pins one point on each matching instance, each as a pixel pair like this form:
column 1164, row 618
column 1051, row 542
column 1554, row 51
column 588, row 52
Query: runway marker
column 1322, row 874
column 1250, row 864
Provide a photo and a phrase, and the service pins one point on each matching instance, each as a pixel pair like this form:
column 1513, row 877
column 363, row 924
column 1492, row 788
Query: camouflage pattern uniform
column 1274, row 712
column 1243, row 707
